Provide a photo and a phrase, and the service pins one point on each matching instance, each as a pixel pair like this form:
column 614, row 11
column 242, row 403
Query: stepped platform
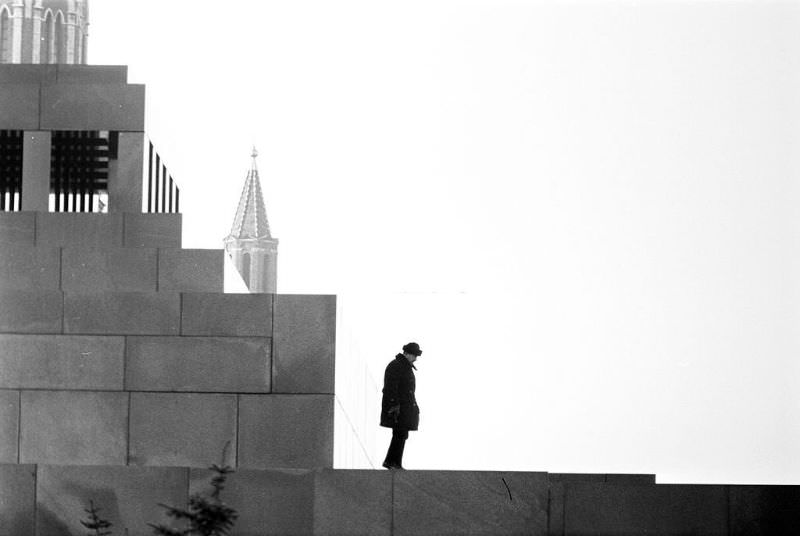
column 48, row 500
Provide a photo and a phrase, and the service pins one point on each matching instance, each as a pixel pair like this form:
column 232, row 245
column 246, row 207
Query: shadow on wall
column 72, row 509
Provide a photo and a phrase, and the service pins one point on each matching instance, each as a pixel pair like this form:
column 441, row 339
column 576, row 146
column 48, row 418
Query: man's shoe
column 391, row 466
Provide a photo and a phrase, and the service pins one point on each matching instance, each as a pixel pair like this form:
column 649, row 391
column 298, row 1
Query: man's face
column 411, row 358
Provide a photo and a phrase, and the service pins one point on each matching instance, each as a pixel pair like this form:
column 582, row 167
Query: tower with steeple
column 43, row 31
column 250, row 245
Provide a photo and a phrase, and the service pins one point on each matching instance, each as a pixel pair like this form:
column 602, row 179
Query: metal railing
column 163, row 194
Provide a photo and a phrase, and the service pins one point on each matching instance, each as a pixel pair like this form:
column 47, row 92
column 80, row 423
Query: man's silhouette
column 399, row 410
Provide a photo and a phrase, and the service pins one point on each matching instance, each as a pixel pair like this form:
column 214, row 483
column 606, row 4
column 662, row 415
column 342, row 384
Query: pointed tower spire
column 250, row 243
column 251, row 216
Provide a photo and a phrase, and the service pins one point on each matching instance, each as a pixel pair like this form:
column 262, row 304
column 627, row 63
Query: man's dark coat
column 399, row 385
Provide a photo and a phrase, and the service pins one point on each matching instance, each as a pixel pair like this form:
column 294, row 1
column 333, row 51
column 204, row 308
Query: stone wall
column 119, row 348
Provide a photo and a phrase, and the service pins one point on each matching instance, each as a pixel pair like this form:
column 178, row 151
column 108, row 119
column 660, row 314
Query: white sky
column 590, row 209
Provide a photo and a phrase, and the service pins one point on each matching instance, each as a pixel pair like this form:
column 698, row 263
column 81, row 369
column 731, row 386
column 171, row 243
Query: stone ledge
column 469, row 502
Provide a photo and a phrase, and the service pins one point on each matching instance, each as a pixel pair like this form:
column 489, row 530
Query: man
column 399, row 410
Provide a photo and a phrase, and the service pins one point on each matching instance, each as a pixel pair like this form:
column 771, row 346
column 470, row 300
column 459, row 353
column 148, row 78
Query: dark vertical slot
column 69, row 161
column 177, row 199
column 20, row 155
column 6, row 160
column 171, row 187
column 83, row 167
column 55, row 179
column 164, row 189
column 150, row 179
column 113, row 145
column 5, row 167
column 158, row 179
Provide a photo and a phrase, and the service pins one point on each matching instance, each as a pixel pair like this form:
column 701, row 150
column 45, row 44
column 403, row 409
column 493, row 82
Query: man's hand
column 394, row 412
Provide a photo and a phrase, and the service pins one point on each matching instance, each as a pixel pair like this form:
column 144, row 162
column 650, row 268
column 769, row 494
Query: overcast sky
column 585, row 213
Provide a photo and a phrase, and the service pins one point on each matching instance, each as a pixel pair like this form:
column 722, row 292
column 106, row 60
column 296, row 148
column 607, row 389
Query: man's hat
column 412, row 348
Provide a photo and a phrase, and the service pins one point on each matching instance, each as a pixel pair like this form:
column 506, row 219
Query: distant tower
column 253, row 250
column 43, row 31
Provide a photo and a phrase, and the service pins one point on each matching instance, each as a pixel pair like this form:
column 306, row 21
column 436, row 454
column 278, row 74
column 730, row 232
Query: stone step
column 257, row 430
column 281, row 501
column 64, row 229
column 176, row 326
column 82, row 269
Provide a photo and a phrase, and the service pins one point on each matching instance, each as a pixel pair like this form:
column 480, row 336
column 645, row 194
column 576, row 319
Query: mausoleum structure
column 126, row 371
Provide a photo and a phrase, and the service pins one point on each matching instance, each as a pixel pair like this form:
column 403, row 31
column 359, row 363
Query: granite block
column 73, row 427
column 18, row 73
column 17, row 500
column 19, row 106
column 122, row 313
column 36, row 171
column 242, row 315
column 125, row 174
column 25, row 267
column 128, row 497
column 763, row 510
column 286, row 431
column 108, row 269
column 190, row 270
column 61, row 362
column 304, row 344
column 199, row 364
column 577, row 477
column 92, row 107
column 658, row 509
column 185, row 429
column 9, row 426
column 630, row 479
column 17, row 228
column 152, row 230
column 91, row 74
column 70, row 229
column 29, row 311
column 611, row 478
column 469, row 502
column 352, row 502
column 269, row 503
column 555, row 509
